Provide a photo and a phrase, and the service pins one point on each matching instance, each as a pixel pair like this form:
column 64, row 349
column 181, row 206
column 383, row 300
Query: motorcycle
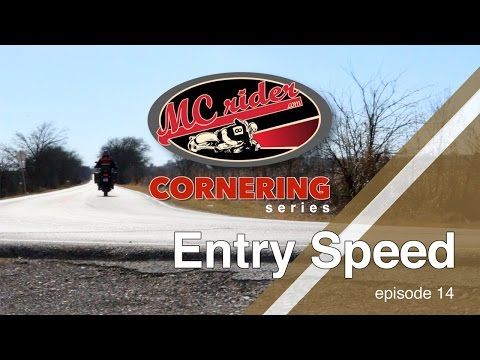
column 210, row 141
column 105, row 180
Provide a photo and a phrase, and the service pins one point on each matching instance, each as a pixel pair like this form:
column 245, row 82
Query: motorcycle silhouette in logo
column 231, row 139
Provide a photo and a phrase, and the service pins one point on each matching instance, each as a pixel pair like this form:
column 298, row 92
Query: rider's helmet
column 252, row 127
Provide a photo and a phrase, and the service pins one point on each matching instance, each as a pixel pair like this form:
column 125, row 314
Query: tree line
column 48, row 163
column 371, row 121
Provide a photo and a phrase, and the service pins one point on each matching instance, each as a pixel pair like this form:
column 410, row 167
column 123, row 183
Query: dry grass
column 256, row 209
column 245, row 208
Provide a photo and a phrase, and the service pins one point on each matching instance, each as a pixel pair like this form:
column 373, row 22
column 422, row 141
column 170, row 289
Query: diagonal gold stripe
column 379, row 182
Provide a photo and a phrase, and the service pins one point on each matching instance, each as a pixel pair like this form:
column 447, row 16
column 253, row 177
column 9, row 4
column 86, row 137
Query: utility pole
column 21, row 157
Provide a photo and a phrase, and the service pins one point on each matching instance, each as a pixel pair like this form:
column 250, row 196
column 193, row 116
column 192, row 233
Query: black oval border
column 325, row 119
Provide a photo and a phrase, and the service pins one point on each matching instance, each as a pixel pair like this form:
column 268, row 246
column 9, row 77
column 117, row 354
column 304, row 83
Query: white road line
column 43, row 194
column 383, row 201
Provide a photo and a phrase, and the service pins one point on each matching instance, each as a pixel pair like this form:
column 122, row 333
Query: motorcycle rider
column 106, row 163
column 235, row 135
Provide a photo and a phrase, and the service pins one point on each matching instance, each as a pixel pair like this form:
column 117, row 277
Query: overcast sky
column 100, row 92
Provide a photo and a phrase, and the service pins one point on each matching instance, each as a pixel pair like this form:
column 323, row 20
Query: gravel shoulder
column 64, row 287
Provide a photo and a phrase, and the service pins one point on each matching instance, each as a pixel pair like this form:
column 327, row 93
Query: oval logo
column 239, row 119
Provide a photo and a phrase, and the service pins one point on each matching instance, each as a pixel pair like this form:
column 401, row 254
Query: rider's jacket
column 106, row 162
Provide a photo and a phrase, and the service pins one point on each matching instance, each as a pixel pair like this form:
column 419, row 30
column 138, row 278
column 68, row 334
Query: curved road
column 81, row 215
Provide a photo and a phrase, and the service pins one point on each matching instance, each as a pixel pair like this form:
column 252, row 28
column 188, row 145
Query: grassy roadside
column 245, row 208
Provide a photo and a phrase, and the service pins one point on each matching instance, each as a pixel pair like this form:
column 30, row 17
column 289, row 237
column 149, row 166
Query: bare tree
column 369, row 128
column 44, row 136
column 7, row 162
column 131, row 156
column 3, row 166
column 48, row 164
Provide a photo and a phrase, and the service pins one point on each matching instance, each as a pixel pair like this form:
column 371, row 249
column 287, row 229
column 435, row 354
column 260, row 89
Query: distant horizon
column 97, row 93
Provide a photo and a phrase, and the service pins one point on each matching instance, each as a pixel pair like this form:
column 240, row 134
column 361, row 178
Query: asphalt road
column 81, row 215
